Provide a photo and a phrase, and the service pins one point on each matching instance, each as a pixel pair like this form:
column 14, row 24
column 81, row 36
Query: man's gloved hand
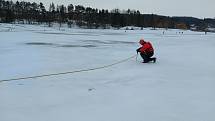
column 137, row 50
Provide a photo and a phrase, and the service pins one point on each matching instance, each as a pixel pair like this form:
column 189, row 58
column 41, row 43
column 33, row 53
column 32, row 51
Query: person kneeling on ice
column 146, row 51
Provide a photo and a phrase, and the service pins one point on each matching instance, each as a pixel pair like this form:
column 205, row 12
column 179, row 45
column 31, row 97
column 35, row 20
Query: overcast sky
column 195, row 8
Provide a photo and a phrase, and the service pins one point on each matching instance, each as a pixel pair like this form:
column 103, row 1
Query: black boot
column 145, row 61
column 154, row 60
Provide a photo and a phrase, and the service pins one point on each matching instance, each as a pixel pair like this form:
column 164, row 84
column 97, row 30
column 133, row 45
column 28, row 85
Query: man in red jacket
column 146, row 51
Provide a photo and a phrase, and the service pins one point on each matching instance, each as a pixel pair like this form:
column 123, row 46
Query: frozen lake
column 179, row 87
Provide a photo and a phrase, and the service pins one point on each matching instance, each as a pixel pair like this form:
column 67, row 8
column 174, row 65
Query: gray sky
column 195, row 8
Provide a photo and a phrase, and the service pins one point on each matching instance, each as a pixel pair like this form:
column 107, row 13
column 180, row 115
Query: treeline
column 31, row 13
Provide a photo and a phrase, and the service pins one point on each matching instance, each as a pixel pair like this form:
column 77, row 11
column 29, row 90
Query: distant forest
column 34, row 13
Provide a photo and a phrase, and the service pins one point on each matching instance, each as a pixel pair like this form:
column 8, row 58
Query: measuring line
column 69, row 72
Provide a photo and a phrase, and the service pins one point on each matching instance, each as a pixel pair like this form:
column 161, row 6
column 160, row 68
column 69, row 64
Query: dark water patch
column 61, row 45
column 56, row 33
column 86, row 46
column 108, row 42
column 69, row 46
column 89, row 46
column 39, row 43
column 96, row 41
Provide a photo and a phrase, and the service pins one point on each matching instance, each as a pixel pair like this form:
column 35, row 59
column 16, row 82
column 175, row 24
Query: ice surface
column 179, row 87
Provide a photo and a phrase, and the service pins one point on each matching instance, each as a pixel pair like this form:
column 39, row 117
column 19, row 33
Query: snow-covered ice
column 179, row 87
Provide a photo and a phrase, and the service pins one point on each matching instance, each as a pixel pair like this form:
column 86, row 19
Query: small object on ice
column 91, row 89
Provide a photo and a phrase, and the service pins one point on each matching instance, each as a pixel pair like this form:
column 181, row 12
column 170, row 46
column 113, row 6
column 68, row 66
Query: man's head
column 142, row 41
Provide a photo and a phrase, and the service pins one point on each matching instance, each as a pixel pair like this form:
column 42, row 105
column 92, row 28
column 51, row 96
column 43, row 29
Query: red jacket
column 146, row 48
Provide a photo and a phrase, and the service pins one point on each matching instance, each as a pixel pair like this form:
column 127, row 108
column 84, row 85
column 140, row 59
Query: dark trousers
column 147, row 56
